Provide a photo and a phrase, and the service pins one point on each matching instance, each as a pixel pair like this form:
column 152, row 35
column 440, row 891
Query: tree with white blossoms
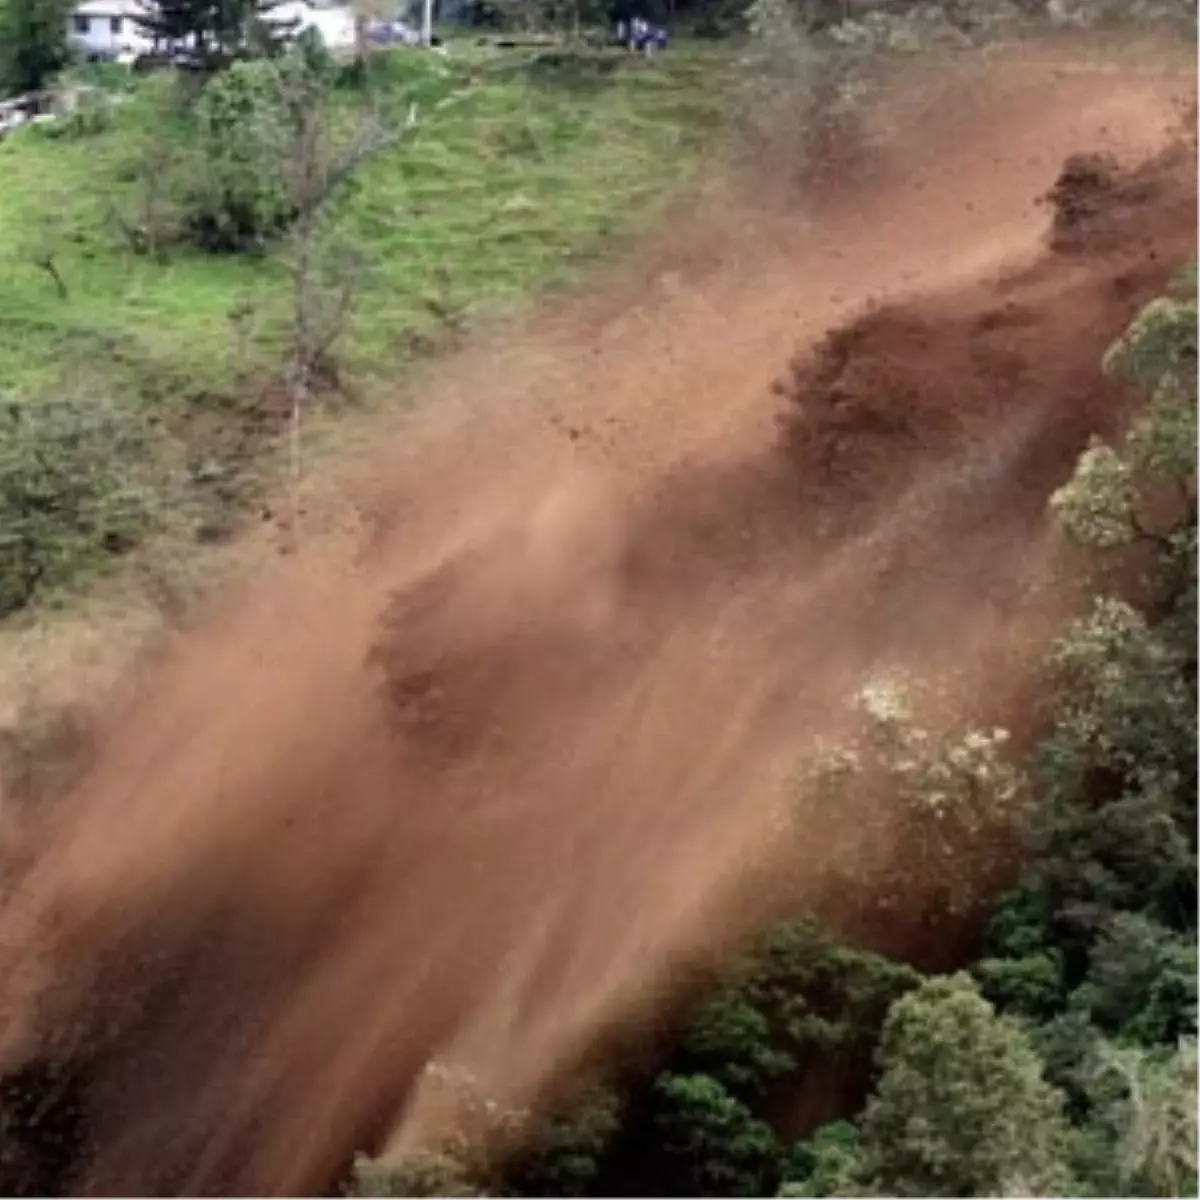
column 935, row 802
column 1144, row 490
column 1147, row 1097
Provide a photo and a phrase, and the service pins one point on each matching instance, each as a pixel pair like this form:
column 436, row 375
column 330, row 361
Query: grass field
column 514, row 176
column 520, row 171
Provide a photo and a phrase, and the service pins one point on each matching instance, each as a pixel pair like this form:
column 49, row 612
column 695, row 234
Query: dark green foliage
column 218, row 29
column 731, row 1040
column 239, row 196
column 1031, row 985
column 1141, row 982
column 1068, row 1044
column 800, row 998
column 33, row 43
column 565, row 1155
column 172, row 21
column 829, row 1163
column 71, row 491
column 797, row 1000
column 712, row 1144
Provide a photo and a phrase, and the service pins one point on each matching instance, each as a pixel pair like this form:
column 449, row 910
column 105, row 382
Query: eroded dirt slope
column 460, row 786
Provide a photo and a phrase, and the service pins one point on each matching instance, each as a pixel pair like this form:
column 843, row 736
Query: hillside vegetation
column 516, row 171
column 191, row 270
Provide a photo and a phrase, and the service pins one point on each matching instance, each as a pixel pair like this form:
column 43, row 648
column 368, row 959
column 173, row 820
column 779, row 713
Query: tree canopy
column 33, row 43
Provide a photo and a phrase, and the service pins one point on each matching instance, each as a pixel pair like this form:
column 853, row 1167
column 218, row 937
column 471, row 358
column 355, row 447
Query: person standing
column 622, row 13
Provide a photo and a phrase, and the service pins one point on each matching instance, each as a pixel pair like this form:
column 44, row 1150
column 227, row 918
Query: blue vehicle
column 638, row 34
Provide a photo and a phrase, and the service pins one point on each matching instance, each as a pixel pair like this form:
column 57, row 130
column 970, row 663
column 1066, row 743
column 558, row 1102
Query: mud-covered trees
column 1091, row 961
column 938, row 803
column 1064, row 1060
column 1143, row 492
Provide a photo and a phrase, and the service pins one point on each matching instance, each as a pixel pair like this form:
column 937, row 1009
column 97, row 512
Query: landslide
column 466, row 790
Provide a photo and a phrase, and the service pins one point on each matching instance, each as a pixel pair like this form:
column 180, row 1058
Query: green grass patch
column 520, row 170
column 523, row 168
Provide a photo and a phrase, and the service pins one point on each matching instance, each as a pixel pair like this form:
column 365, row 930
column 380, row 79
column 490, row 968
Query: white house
column 335, row 23
column 109, row 27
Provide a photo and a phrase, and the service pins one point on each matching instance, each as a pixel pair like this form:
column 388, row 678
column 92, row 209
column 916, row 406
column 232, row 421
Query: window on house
column 114, row 24
column 81, row 24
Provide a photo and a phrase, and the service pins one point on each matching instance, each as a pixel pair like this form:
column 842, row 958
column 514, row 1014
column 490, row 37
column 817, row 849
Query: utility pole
column 427, row 22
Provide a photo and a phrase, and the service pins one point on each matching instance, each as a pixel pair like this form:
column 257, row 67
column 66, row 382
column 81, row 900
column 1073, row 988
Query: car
column 640, row 34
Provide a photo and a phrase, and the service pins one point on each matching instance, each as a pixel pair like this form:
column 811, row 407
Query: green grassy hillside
column 513, row 177
column 521, row 169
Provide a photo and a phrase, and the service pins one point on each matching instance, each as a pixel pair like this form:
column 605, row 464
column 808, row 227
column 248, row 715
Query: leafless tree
column 320, row 161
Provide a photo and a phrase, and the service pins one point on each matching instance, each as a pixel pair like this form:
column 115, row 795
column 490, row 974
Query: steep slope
column 461, row 787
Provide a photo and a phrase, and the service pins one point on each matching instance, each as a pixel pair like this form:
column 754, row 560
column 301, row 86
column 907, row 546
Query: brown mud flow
column 462, row 788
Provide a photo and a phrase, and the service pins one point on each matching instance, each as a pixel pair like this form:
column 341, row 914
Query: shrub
column 70, row 494
column 238, row 196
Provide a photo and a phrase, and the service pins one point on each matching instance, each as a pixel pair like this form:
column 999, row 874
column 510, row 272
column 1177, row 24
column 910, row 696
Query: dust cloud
column 465, row 785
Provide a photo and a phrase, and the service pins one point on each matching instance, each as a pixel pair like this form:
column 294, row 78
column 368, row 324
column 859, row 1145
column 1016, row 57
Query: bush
column 422, row 1174
column 70, row 496
column 239, row 197
column 92, row 114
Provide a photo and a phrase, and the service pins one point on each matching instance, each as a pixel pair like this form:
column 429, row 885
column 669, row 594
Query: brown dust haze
column 465, row 784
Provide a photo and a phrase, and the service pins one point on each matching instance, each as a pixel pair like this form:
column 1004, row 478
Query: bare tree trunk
column 319, row 310
column 299, row 370
column 360, row 37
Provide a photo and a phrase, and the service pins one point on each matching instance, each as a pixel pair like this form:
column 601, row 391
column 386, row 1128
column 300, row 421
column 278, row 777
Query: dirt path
column 457, row 788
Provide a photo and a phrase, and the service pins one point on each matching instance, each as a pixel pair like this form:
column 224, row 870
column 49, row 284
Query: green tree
column 33, row 43
column 936, row 804
column 1096, row 949
column 829, row 1163
column 565, row 1153
column 1144, row 1119
column 1145, row 489
column 218, row 30
column 798, row 997
column 961, row 1108
column 238, row 189
column 1141, row 981
column 712, row 1143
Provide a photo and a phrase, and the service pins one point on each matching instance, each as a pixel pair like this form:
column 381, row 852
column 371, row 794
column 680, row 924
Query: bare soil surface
column 465, row 781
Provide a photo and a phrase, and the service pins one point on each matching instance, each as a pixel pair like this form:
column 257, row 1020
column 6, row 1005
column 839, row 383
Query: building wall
column 335, row 24
column 109, row 26
column 107, row 29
